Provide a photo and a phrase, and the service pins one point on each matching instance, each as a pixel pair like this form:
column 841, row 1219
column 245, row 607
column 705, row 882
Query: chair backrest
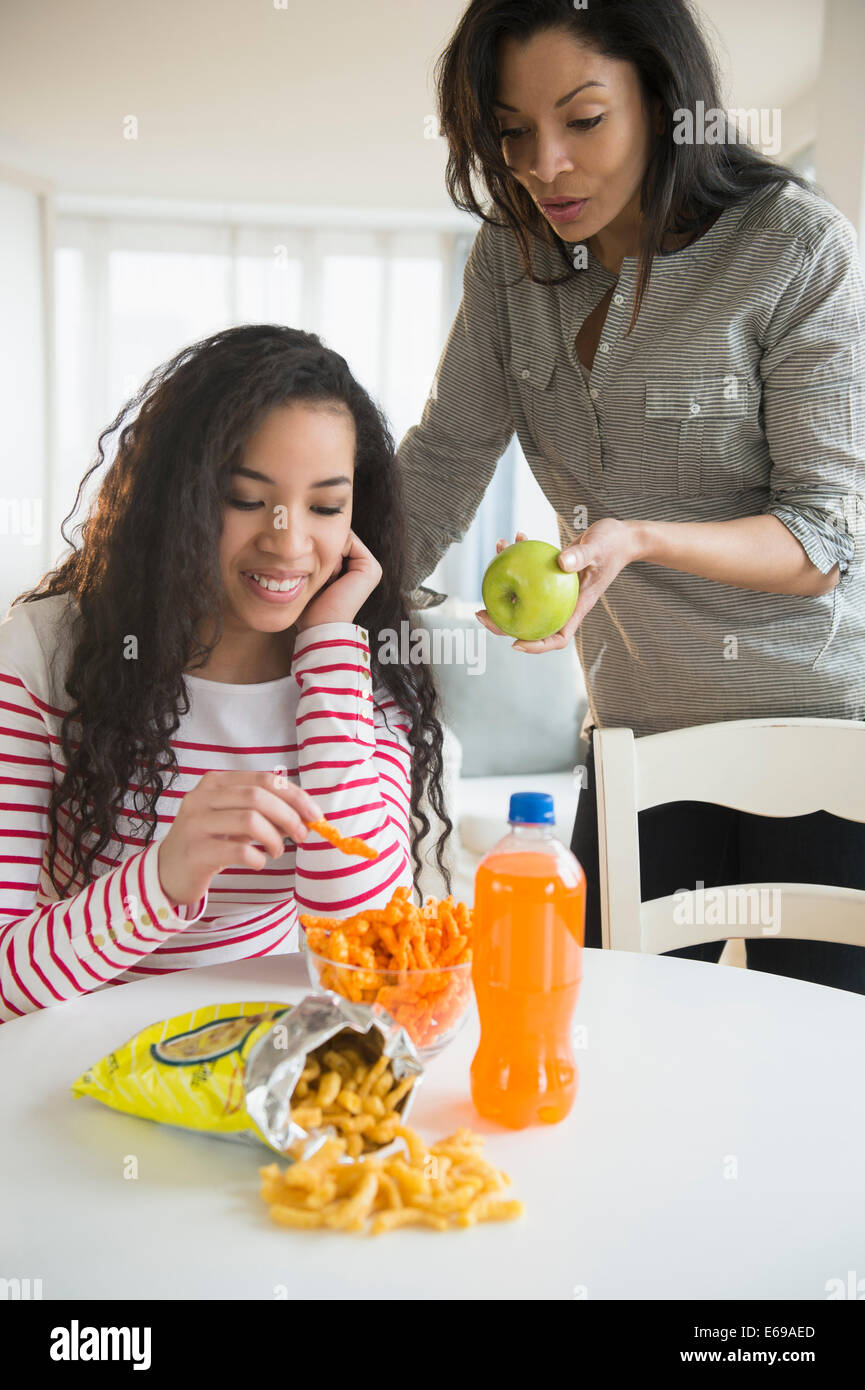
column 768, row 767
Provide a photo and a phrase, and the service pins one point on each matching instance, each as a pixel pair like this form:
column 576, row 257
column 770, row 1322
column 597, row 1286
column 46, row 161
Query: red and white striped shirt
column 320, row 725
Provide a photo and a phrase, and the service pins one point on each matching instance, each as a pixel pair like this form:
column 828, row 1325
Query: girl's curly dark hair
column 149, row 565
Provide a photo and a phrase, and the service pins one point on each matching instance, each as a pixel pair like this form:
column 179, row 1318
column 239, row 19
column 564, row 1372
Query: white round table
column 715, row 1151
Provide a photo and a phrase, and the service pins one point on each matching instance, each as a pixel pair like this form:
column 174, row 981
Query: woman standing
column 674, row 329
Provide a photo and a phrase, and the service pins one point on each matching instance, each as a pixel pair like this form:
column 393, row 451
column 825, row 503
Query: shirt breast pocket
column 533, row 372
column 692, row 434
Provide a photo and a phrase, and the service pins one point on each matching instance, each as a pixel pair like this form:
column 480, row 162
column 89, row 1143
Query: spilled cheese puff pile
column 448, row 1185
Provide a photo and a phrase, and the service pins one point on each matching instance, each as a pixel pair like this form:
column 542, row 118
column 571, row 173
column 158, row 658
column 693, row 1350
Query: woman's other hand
column 602, row 552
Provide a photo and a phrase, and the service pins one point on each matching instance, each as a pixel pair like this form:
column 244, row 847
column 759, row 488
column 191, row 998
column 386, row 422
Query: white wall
column 262, row 100
column 25, row 387
column 841, row 111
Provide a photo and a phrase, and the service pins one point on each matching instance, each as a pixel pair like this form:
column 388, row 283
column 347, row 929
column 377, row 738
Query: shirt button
column 618, row 299
column 605, row 347
column 525, row 374
column 594, row 392
column 695, row 408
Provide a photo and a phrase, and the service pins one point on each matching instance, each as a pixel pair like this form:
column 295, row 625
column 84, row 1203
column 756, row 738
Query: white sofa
column 480, row 814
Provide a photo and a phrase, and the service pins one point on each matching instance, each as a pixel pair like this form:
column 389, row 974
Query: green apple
column 527, row 593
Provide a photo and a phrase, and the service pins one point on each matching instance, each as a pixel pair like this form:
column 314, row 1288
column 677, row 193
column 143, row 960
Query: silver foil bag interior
column 274, row 1065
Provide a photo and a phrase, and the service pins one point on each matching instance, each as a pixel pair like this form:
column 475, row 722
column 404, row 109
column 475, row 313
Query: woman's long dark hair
column 149, row 565
column 684, row 185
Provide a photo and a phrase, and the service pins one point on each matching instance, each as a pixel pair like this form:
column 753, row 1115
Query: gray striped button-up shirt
column 740, row 391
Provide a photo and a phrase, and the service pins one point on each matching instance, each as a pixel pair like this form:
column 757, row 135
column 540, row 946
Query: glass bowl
column 431, row 1005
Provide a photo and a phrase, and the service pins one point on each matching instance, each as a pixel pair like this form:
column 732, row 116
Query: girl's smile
column 287, row 591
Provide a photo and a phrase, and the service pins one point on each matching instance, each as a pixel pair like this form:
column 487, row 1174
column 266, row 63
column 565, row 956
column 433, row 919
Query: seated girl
column 199, row 680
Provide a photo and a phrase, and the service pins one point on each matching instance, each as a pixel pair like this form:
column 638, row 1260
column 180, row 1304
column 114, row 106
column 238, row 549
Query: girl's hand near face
column 347, row 590
column 602, row 552
column 219, row 823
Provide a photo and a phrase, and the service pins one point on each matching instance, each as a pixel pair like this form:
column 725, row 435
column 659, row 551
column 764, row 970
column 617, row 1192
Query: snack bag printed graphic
column 186, row 1070
column 232, row 1070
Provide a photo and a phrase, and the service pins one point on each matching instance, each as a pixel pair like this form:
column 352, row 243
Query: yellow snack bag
column 232, row 1070
column 186, row 1070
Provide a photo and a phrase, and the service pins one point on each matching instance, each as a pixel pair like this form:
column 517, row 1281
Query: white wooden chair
column 768, row 767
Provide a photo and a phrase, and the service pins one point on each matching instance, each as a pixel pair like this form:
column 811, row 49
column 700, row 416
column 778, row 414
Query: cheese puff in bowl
column 415, row 962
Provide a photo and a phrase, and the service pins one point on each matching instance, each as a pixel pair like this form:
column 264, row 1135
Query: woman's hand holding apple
column 602, row 552
column 219, row 823
column 347, row 589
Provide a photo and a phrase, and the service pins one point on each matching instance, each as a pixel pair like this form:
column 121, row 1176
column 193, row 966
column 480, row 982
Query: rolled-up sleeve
column 448, row 459
column 813, row 369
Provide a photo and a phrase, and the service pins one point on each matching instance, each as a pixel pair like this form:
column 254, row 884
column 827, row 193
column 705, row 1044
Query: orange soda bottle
column 527, row 949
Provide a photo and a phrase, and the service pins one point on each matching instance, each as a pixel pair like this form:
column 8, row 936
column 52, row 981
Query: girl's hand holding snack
column 347, row 590
column 219, row 823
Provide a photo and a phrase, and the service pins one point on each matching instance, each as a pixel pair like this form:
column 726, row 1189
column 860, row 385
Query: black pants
column 684, row 842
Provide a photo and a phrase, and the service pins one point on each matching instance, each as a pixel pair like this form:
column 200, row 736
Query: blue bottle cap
column 532, row 808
